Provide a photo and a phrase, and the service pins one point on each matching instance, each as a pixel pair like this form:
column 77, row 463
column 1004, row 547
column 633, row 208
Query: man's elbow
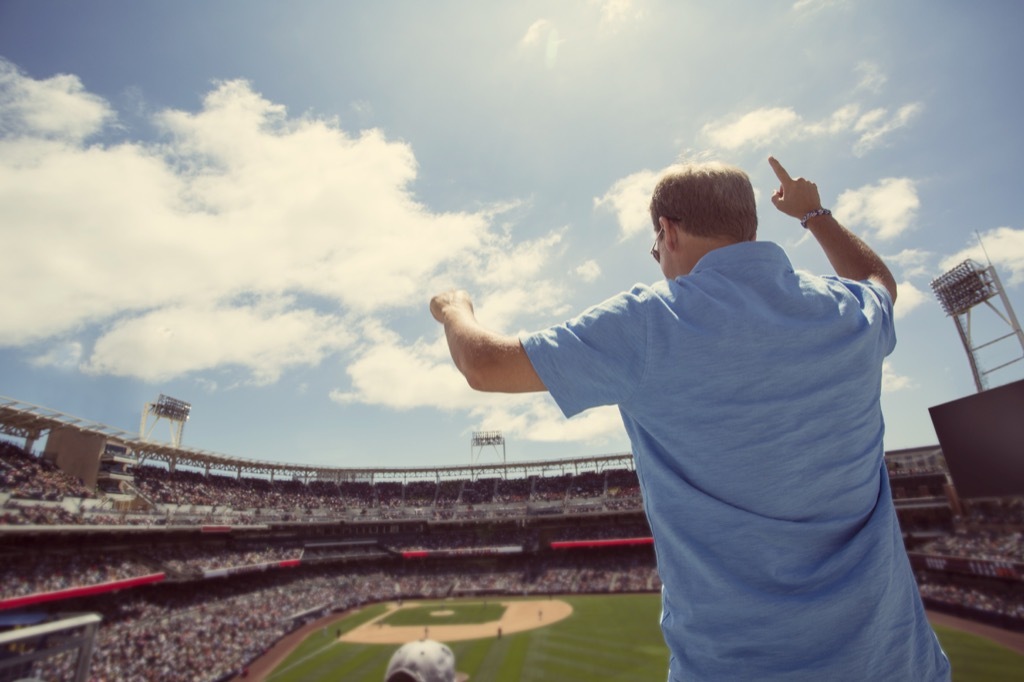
column 490, row 371
column 887, row 282
column 477, row 380
column 476, row 369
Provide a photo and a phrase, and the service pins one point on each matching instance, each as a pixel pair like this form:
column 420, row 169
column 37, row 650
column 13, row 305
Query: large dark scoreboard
column 982, row 439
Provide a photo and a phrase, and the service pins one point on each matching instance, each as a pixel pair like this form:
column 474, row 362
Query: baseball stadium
column 126, row 559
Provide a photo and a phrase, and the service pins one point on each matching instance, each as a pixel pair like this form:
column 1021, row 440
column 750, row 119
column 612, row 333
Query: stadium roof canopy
column 29, row 421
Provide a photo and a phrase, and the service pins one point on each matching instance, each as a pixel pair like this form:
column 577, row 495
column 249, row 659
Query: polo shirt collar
column 745, row 255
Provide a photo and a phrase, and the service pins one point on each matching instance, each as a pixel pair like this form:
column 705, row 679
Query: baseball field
column 571, row 638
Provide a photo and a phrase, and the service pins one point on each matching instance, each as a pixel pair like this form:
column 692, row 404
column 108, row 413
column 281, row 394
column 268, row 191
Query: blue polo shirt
column 750, row 394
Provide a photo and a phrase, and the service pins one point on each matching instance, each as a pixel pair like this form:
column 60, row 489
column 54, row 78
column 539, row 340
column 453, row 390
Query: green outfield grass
column 606, row 638
column 976, row 659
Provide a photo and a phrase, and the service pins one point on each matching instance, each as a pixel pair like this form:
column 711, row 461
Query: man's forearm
column 849, row 255
column 489, row 361
column 466, row 340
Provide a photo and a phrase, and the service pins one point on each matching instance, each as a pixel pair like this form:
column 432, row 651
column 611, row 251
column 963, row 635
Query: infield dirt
column 518, row 617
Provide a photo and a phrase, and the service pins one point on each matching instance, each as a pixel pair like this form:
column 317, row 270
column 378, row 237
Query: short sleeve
column 598, row 358
column 877, row 307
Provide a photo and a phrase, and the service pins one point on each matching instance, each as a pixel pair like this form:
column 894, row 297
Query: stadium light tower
column 173, row 410
column 959, row 291
column 483, row 439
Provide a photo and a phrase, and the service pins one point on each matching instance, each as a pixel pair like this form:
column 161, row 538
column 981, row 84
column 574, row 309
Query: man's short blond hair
column 708, row 200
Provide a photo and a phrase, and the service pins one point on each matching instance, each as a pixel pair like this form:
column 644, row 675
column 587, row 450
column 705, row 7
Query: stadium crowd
column 22, row 513
column 28, row 573
column 15, row 513
column 979, row 545
column 986, row 601
column 186, row 496
column 26, row 476
column 189, row 635
column 184, row 487
column 31, row 573
column 1007, row 512
column 166, row 631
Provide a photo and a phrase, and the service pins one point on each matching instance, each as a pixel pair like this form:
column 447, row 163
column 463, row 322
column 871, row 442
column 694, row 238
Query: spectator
column 750, row 393
column 422, row 661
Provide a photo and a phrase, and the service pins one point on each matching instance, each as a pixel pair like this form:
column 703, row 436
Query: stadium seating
column 251, row 558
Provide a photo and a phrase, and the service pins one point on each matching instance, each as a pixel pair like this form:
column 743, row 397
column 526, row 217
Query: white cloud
column 888, row 207
column 630, row 200
column 769, row 126
column 588, row 271
column 893, row 382
column 391, row 375
column 841, row 120
column 871, row 77
column 498, row 308
column 909, row 297
column 508, row 263
column 541, row 421
column 913, row 262
column 809, row 6
column 1003, row 245
column 876, row 125
column 65, row 356
column 615, row 12
column 221, row 244
column 536, row 33
column 543, row 35
column 58, row 107
column 265, row 338
column 759, row 128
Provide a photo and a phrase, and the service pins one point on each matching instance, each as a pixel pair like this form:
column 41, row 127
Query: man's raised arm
column 489, row 361
column 848, row 254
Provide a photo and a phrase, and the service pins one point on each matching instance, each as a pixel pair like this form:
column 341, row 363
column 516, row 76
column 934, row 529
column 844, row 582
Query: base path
column 518, row 617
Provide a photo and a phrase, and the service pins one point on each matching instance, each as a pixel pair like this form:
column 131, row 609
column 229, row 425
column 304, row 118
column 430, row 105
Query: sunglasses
column 656, row 250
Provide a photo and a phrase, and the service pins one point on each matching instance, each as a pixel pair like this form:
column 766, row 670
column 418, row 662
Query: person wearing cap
column 751, row 396
column 423, row 661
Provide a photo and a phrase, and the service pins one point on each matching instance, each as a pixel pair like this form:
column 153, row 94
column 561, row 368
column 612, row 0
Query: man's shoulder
column 866, row 291
column 638, row 294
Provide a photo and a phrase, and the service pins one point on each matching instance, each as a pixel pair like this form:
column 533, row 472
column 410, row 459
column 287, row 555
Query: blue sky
column 247, row 205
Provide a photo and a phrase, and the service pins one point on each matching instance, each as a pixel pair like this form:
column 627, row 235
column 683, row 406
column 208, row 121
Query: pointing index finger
column 780, row 172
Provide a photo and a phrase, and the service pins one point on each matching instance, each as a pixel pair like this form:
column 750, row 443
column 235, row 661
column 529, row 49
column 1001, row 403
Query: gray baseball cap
column 424, row 661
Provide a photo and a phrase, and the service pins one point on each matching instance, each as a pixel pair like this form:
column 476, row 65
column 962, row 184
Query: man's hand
column 795, row 198
column 848, row 254
column 441, row 304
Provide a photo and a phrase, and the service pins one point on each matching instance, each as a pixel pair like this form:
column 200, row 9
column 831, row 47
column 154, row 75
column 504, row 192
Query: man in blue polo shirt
column 750, row 393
